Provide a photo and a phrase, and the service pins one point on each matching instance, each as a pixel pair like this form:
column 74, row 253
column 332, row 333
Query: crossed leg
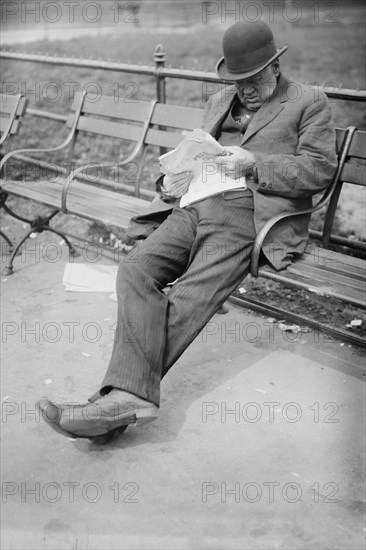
column 206, row 247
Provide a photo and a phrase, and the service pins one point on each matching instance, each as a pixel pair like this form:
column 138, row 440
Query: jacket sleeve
column 311, row 168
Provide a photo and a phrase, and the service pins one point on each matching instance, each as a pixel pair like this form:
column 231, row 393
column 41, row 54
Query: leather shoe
column 113, row 411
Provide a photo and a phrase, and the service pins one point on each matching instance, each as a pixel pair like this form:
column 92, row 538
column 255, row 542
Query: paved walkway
column 259, row 443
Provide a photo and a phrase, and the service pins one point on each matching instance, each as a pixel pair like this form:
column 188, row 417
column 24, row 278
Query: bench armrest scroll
column 136, row 150
column 64, row 144
column 258, row 243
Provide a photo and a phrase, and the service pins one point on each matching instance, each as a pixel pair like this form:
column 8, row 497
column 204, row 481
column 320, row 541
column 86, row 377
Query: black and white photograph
column 183, row 274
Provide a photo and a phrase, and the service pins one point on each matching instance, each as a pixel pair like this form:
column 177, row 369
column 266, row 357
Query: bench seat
column 319, row 270
column 84, row 200
column 326, row 273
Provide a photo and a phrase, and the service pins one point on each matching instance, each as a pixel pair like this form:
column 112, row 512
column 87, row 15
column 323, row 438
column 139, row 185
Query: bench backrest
column 109, row 118
column 354, row 172
column 125, row 119
column 12, row 109
column 169, row 121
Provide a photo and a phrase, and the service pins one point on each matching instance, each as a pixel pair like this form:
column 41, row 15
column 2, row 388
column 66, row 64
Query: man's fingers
column 183, row 175
column 231, row 166
column 177, row 178
column 221, row 160
column 179, row 190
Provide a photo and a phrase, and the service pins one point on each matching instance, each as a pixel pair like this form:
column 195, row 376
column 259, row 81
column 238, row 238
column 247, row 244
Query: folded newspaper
column 89, row 277
column 197, row 153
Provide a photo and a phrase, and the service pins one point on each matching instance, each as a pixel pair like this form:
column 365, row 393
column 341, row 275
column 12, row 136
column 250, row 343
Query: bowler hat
column 248, row 49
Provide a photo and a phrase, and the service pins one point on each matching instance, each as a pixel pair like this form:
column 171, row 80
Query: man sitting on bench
column 281, row 138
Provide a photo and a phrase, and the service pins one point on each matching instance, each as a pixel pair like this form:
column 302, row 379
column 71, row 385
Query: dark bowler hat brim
column 225, row 74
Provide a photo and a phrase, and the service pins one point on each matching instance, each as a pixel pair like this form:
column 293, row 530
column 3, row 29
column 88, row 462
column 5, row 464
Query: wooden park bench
column 320, row 269
column 12, row 110
column 78, row 192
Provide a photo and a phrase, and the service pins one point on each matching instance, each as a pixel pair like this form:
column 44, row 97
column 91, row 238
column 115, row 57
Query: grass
column 322, row 52
column 330, row 53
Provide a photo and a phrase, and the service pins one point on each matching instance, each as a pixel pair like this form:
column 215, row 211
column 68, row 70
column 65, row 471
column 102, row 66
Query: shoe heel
column 144, row 416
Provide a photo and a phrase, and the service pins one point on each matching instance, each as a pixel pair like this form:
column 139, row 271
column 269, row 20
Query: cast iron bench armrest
column 258, row 243
column 64, row 144
column 136, row 150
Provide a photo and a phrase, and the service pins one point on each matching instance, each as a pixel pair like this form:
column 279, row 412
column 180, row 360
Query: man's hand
column 239, row 163
column 178, row 184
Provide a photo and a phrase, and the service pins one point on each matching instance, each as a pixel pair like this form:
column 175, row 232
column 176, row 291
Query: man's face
column 254, row 91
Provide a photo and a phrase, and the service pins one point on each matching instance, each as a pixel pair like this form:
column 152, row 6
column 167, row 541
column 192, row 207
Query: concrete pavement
column 259, row 443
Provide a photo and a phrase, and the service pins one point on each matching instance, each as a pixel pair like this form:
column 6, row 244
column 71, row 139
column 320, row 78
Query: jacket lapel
column 269, row 110
column 219, row 113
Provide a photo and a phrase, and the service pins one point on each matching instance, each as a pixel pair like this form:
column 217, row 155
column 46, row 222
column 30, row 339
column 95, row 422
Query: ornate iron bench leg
column 38, row 225
column 6, row 238
column 8, row 269
column 3, row 197
column 72, row 250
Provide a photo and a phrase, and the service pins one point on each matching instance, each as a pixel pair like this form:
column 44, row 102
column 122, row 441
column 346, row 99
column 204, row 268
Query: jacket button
column 264, row 184
column 270, row 185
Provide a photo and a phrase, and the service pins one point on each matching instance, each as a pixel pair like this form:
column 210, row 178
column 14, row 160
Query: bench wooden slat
column 354, row 173
column 358, row 145
column 109, row 128
column 103, row 205
column 174, row 116
column 37, row 191
column 332, row 268
column 330, row 256
column 118, row 219
column 315, row 273
column 54, row 189
column 128, row 132
column 324, row 287
column 161, row 138
column 107, row 106
column 83, row 190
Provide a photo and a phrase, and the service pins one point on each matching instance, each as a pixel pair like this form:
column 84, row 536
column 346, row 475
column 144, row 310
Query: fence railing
column 159, row 72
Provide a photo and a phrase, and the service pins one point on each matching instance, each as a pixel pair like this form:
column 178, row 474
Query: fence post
column 159, row 58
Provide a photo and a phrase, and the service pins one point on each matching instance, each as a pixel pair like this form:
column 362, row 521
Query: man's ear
column 276, row 67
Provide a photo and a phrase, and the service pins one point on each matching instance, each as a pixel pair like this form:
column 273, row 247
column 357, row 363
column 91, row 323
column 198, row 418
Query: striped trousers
column 206, row 249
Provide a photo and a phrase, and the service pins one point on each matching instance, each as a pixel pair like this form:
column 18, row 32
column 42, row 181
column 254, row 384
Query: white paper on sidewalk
column 89, row 278
column 197, row 153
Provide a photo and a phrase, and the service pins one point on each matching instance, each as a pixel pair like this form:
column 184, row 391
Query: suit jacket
column 293, row 141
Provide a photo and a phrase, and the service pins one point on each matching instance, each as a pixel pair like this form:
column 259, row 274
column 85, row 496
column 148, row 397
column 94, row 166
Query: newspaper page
column 197, row 153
